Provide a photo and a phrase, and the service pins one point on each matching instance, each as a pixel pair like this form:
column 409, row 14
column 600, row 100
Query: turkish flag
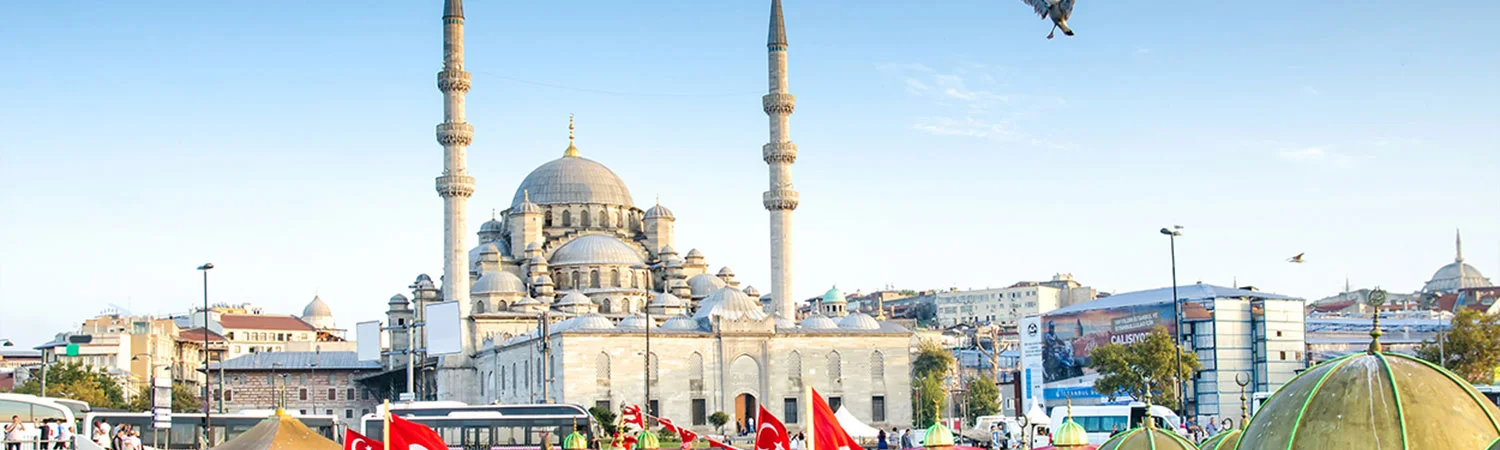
column 406, row 435
column 771, row 435
column 714, row 443
column 631, row 415
column 683, row 433
column 827, row 433
column 356, row 441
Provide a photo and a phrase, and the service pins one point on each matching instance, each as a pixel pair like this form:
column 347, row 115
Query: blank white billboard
column 442, row 328
column 367, row 340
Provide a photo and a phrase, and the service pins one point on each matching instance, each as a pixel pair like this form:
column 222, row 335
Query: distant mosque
column 1455, row 275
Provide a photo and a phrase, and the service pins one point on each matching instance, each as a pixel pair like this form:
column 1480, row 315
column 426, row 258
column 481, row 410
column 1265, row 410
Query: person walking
column 906, row 438
column 13, row 432
column 66, row 436
column 101, row 433
column 880, row 441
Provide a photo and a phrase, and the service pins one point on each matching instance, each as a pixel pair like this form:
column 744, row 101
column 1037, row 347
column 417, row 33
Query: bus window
column 10, row 408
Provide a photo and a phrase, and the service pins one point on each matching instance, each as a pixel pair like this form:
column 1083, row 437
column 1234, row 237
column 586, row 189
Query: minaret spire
column 1458, row 245
column 455, row 186
column 572, row 149
column 779, row 154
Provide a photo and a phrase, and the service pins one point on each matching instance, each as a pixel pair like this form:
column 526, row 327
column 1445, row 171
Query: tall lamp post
column 208, row 428
column 1172, row 233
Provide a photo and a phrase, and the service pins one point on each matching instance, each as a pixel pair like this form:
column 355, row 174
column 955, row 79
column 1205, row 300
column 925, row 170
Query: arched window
column 601, row 369
column 635, row 281
column 835, row 367
column 484, row 378
column 635, row 223
column 614, row 278
column 604, row 218
column 651, row 367
column 502, row 380
column 513, row 376
column 577, row 280
column 877, row 366
column 695, row 372
column 479, row 306
column 620, row 218
column 501, row 306
column 584, row 217
column 567, row 218
column 547, row 219
column 526, row 369
column 594, row 278
column 794, row 368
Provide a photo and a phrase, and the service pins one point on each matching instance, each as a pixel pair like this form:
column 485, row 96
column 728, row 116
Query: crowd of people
column 41, row 434
column 122, row 437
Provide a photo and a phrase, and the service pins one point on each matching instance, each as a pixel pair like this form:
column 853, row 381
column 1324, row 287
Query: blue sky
column 943, row 143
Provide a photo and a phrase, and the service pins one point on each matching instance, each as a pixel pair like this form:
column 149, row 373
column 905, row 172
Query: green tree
column 78, row 382
column 1127, row 369
column 718, row 419
column 932, row 359
column 605, row 418
column 1471, row 348
column 185, row 399
column 981, row 397
column 929, row 400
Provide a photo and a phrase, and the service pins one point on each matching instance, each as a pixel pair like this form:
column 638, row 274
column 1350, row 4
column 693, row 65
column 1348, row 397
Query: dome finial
column 492, row 213
column 1375, row 299
column 526, row 195
column 572, row 149
column 1244, row 407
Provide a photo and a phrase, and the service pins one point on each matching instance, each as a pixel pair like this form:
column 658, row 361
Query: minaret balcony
column 460, row 133
column 455, row 185
column 779, row 152
column 453, row 80
column 780, row 199
column 779, row 103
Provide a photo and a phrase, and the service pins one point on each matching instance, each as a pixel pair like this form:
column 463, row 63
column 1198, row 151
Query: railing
column 39, row 444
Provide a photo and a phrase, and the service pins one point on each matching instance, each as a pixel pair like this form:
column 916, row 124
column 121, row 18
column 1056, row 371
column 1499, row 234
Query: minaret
column 455, row 186
column 779, row 154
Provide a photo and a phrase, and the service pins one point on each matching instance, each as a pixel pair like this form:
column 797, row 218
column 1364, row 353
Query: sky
column 942, row 143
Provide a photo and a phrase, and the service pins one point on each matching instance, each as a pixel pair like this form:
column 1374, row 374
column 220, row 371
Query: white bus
column 489, row 427
column 32, row 410
column 188, row 427
column 1101, row 421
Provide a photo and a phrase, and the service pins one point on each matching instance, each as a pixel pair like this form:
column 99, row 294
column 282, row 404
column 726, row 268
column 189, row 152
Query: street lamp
column 208, row 428
column 1172, row 233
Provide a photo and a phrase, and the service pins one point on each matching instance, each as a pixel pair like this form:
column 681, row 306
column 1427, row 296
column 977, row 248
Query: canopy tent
column 280, row 432
column 853, row 426
column 1037, row 415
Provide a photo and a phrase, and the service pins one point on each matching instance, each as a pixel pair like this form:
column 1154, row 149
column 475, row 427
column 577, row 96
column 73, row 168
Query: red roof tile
column 196, row 335
column 263, row 322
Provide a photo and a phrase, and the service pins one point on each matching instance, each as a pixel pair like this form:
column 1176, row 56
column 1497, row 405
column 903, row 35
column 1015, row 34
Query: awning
column 853, row 426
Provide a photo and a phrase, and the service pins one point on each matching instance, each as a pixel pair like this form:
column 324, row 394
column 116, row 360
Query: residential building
column 1003, row 305
column 307, row 382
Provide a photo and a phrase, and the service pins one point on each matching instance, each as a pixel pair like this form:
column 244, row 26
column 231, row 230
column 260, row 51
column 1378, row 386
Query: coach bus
column 509, row 427
column 187, row 427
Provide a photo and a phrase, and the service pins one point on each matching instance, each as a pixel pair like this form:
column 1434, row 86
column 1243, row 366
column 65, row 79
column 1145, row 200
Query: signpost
column 161, row 402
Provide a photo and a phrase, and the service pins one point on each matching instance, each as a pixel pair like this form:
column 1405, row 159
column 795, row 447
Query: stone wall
column 305, row 391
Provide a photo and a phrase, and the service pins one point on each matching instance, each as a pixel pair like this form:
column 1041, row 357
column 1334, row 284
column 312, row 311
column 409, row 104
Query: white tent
column 853, row 426
column 1037, row 415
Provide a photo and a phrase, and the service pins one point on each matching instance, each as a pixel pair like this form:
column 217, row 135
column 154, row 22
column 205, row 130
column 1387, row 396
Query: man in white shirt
column 13, row 433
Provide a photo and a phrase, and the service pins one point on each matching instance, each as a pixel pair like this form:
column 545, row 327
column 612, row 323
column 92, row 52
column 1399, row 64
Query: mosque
column 581, row 296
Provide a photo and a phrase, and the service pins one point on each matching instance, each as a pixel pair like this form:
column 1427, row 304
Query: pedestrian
column 101, row 433
column 1213, row 428
column 66, row 431
column 13, row 433
column 880, row 442
column 906, row 438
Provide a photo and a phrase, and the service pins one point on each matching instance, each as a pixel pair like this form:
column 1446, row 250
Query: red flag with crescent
column 686, row 435
column 356, row 441
column 631, row 415
column 407, row 435
column 771, row 434
column 715, row 443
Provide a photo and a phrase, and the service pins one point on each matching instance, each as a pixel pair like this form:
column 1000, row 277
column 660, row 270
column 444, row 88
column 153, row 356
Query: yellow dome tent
column 280, row 432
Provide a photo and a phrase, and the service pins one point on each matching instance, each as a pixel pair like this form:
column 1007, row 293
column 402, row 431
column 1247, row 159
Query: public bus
column 487, row 427
column 32, row 410
column 1101, row 421
column 187, row 427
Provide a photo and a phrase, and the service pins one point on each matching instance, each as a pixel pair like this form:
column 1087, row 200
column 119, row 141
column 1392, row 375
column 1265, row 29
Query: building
column 1455, row 275
column 308, row 382
column 1009, row 304
column 255, row 333
column 574, row 251
column 1233, row 331
column 1331, row 335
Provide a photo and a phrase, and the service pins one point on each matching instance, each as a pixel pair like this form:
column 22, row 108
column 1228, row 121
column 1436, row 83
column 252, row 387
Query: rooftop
column 196, row 335
column 264, row 322
column 298, row 360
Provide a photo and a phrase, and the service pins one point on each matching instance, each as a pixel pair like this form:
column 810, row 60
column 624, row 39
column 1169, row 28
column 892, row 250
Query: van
column 1101, row 421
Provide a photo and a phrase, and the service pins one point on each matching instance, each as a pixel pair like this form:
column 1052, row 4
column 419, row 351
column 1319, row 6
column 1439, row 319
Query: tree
column 78, row 382
column 1147, row 366
column 1470, row 348
column 185, row 399
column 981, row 397
column 929, row 400
column 718, row 419
column 605, row 418
column 932, row 359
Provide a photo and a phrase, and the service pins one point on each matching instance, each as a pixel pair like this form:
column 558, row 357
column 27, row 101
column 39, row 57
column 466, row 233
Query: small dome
column 596, row 249
column 586, row 322
column 731, row 304
column 1147, row 438
column 834, row 296
column 533, row 246
column 818, row 322
column 704, row 285
column 526, row 206
column 666, row 299
column 674, row 262
column 574, row 298
column 647, row 440
column 694, row 253
column 1070, row 433
column 858, row 321
column 572, row 180
column 575, row 441
column 636, row 322
column 683, row 323
column 316, row 308
column 492, row 226
column 538, row 260
column 668, row 250
column 543, row 280
column 399, row 299
column 937, row 435
column 1226, row 440
column 785, row 323
column 498, row 282
column 1374, row 396
column 725, row 272
column 659, row 212
column 752, row 292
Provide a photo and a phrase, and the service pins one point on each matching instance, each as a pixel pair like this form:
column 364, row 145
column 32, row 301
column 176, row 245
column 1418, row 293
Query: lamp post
column 1172, row 233
column 208, row 428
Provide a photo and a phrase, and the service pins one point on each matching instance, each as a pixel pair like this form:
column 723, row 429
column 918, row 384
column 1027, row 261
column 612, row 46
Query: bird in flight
column 1296, row 259
column 1058, row 10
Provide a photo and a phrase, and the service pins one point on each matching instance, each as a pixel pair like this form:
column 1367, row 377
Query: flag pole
column 385, row 424
column 809, row 420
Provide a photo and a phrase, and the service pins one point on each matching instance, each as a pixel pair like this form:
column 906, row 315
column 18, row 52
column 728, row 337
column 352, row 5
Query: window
column 835, row 402
column 594, row 278
column 302, row 379
column 652, row 368
column 567, row 218
column 584, row 218
column 333, row 394
column 502, row 379
column 604, row 219
column 877, row 408
column 603, row 404
column 1283, row 355
column 348, row 414
column 228, row 395
column 654, row 409
column 601, row 369
column 789, row 410
column 614, row 278
column 577, row 280
column 271, row 378
column 695, row 373
column 794, row 368
column 364, row 394
column 349, row 394
column 302, row 394
column 330, row 378
column 877, row 366
column 620, row 218
column 547, row 220
column 700, row 412
column 364, row 412
column 328, row 412
column 1278, row 333
column 835, row 369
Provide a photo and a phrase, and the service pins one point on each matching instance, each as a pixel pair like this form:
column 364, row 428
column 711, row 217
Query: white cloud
column 977, row 106
column 1317, row 155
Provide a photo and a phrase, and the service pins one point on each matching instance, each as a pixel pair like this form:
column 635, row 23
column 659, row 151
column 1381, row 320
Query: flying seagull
column 1296, row 259
column 1058, row 10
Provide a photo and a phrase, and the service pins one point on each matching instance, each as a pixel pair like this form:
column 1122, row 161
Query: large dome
column 318, row 314
column 1374, row 400
column 596, row 249
column 1455, row 275
column 573, row 179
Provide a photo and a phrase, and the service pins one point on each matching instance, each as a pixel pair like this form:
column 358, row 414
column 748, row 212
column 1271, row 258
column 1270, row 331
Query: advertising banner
column 1068, row 338
column 1030, row 329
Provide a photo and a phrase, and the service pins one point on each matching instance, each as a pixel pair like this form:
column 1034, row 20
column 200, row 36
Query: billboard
column 442, row 328
column 1066, row 340
column 1031, row 359
column 367, row 340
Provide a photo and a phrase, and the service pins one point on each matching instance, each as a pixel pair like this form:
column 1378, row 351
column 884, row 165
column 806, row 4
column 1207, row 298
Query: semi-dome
column 834, row 296
column 858, row 321
column 1374, row 399
column 704, row 285
column 785, row 323
column 596, row 249
column 318, row 314
column 818, row 322
column 683, row 323
column 498, row 282
column 573, row 180
column 659, row 212
column 1148, row 438
column 1456, row 275
column 492, row 247
column 730, row 304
